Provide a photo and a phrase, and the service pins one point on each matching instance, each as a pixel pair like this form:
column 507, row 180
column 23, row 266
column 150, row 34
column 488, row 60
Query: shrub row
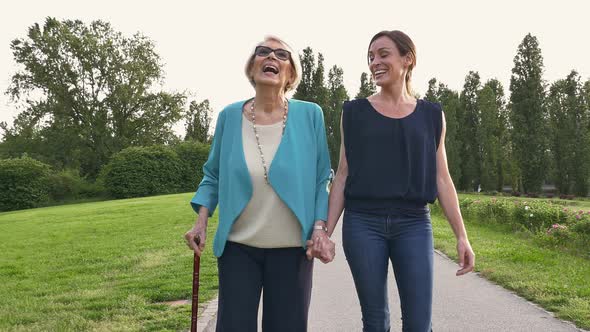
column 134, row 172
column 549, row 221
column 155, row 170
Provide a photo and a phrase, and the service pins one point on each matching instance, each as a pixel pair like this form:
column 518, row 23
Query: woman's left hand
column 466, row 257
column 320, row 246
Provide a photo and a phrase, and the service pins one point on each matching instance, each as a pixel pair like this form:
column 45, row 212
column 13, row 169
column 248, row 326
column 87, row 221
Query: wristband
column 318, row 227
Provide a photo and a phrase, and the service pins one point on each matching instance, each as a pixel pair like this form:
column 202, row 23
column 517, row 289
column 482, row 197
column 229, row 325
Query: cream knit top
column 266, row 222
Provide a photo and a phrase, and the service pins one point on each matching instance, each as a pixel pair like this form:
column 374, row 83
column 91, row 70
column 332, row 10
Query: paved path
column 467, row 303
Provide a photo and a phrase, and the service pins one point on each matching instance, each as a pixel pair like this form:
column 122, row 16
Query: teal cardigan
column 298, row 173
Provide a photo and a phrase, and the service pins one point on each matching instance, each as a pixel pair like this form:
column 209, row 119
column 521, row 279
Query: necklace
column 253, row 113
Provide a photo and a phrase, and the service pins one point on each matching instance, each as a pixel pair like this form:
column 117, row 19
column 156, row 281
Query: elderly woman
column 268, row 169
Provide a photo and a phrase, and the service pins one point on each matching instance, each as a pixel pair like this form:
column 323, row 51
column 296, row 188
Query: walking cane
column 195, row 305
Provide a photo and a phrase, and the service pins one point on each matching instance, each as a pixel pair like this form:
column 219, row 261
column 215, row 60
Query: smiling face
column 267, row 69
column 386, row 63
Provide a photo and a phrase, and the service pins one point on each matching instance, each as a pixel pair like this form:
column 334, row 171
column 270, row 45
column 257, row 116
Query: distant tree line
column 538, row 135
column 87, row 93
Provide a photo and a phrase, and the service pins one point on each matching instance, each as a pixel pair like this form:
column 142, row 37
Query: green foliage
column 193, row 156
column 319, row 92
column 432, row 93
column 470, row 119
column 499, row 130
column 198, row 120
column 451, row 105
column 570, row 138
column 333, row 112
column 367, row 87
column 582, row 227
column 550, row 222
column 143, row 171
column 329, row 96
column 489, row 139
column 308, row 65
column 528, row 115
column 23, row 183
column 67, row 185
column 88, row 92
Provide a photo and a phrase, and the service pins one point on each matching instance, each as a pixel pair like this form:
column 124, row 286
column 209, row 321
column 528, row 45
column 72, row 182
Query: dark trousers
column 369, row 243
column 285, row 274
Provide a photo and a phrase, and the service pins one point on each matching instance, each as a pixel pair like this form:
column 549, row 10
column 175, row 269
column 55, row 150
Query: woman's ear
column 408, row 60
column 290, row 80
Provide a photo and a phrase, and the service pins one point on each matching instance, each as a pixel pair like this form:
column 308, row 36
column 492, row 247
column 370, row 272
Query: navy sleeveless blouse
column 391, row 162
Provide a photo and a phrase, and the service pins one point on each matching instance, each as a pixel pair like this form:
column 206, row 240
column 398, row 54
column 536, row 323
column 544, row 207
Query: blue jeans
column 369, row 242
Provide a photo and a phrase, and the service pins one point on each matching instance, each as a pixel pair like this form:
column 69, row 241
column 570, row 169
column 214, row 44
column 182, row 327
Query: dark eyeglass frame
column 265, row 51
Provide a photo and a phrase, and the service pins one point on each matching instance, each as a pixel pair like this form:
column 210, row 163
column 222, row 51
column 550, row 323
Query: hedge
column 23, row 183
column 143, row 171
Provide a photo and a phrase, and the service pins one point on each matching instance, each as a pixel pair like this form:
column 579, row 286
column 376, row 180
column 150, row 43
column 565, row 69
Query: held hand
column 197, row 234
column 466, row 257
column 320, row 246
column 328, row 251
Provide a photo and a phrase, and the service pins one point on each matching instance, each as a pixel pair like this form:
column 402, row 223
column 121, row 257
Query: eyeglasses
column 280, row 53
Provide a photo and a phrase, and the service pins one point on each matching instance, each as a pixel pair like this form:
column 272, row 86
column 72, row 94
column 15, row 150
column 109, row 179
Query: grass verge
column 102, row 266
column 557, row 281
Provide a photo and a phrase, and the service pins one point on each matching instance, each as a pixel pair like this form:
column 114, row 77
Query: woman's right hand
column 197, row 234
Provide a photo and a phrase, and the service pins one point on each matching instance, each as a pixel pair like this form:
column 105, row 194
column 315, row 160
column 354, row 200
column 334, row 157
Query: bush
column 556, row 236
column 193, row 156
column 92, row 190
column 23, row 183
column 553, row 223
column 537, row 217
column 64, row 185
column 142, row 171
column 67, row 185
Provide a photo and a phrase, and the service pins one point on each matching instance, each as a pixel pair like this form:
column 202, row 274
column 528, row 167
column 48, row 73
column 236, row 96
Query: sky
column 204, row 44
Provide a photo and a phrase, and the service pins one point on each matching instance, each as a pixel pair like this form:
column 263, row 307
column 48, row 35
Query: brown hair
column 405, row 46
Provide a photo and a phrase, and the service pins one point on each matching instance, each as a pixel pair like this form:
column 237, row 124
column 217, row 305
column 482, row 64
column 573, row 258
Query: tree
column 581, row 116
column 528, row 115
column 304, row 90
column 319, row 91
column 501, row 132
column 492, row 136
column 562, row 139
column 22, row 138
column 488, row 138
column 568, row 120
column 470, row 119
column 432, row 94
column 333, row 111
column 329, row 97
column 93, row 87
column 198, row 120
column 367, row 88
column 312, row 86
column 451, row 106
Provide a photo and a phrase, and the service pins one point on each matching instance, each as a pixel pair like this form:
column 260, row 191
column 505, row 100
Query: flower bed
column 553, row 224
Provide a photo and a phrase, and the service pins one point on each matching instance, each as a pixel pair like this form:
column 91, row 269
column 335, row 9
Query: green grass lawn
column 105, row 266
column 100, row 266
column 557, row 281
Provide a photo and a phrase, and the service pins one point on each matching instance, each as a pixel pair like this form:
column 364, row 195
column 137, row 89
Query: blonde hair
column 295, row 64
